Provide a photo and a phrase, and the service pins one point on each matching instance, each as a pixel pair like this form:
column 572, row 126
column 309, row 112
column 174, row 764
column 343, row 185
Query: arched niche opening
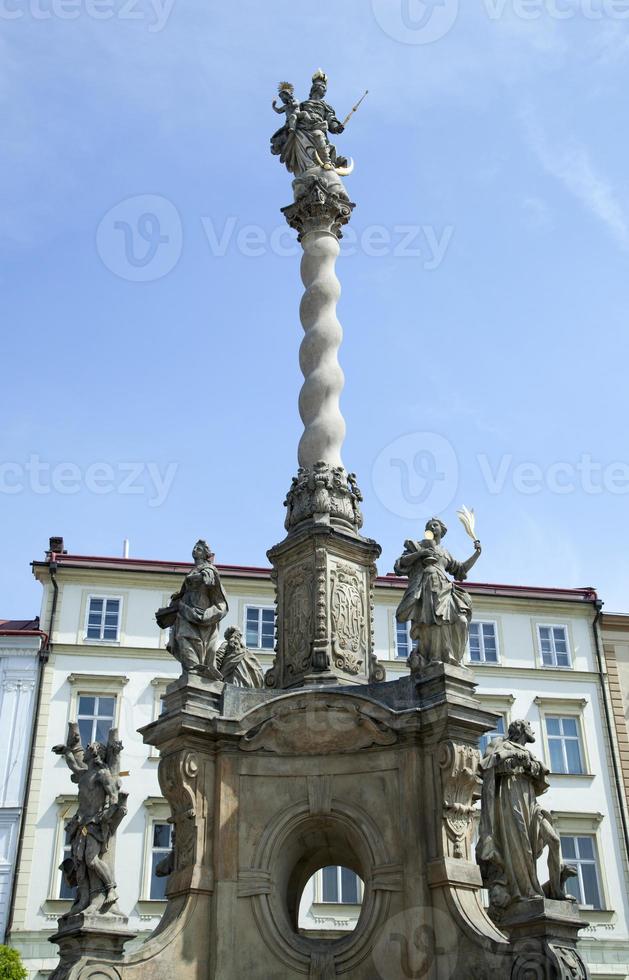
column 325, row 859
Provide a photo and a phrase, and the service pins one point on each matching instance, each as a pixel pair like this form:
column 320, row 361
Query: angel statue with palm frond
column 439, row 610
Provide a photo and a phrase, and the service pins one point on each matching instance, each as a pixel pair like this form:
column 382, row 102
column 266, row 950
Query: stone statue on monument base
column 194, row 615
column 102, row 806
column 237, row 664
column 94, row 924
column 439, row 610
column 514, row 828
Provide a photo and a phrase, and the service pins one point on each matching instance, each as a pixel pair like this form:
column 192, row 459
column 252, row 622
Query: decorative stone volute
column 461, row 788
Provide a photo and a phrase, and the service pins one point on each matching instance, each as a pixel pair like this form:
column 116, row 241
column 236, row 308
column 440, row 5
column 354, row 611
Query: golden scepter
column 350, row 114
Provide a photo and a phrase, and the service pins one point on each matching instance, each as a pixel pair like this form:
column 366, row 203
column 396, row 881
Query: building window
column 403, row 643
column 260, row 628
column 490, row 736
column 95, row 717
column 340, row 886
column 162, row 842
column 564, row 745
column 58, row 889
column 483, row 643
column 581, row 852
column 65, row 890
column 103, row 618
column 553, row 644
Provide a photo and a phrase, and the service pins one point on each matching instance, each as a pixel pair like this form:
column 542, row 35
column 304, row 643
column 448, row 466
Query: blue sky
column 150, row 298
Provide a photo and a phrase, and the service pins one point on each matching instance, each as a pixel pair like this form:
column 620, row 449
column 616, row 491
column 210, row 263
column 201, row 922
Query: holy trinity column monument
column 331, row 764
column 324, row 569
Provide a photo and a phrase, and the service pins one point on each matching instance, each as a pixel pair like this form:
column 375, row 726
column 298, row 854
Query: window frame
column 563, row 738
column 156, row 810
column 540, row 657
column 484, row 662
column 565, row 708
column 67, row 805
column 95, row 718
column 260, row 609
column 93, row 685
column 578, row 862
column 159, row 685
column 104, row 596
column 500, row 704
column 401, row 658
column 318, row 890
column 497, row 734
column 587, row 824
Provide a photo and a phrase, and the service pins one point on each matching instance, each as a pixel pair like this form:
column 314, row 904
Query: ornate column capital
column 321, row 204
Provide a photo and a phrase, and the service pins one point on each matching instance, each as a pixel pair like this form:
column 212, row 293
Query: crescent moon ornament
column 345, row 171
column 341, row 171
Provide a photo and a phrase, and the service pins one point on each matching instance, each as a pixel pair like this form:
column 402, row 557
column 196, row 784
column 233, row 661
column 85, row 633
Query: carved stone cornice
column 319, row 206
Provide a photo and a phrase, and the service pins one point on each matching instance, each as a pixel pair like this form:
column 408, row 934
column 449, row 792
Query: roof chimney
column 55, row 545
column 125, row 548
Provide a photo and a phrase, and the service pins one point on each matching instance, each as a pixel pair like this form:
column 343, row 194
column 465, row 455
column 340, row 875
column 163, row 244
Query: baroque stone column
column 324, row 569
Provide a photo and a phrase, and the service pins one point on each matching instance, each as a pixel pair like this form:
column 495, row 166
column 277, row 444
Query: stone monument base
column 268, row 787
column 544, row 934
column 94, row 936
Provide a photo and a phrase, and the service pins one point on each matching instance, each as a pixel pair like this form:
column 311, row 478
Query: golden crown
column 320, row 76
column 286, row 87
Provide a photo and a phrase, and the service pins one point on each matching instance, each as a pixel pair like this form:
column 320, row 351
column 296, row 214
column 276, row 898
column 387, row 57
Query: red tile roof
column 587, row 594
column 19, row 625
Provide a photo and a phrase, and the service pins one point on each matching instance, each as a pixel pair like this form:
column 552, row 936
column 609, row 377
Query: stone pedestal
column 90, row 936
column 544, row 934
column 267, row 787
column 324, row 586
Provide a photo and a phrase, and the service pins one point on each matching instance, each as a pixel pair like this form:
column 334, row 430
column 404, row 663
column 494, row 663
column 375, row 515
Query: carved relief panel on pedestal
column 348, row 608
column 298, row 619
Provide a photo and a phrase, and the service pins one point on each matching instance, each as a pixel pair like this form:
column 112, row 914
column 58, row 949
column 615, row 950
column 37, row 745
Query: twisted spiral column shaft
column 319, row 399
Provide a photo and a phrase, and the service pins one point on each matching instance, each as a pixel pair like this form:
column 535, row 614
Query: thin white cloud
column 571, row 164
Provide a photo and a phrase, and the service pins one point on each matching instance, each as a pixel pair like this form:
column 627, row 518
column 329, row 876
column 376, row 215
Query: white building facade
column 20, row 645
column 535, row 655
